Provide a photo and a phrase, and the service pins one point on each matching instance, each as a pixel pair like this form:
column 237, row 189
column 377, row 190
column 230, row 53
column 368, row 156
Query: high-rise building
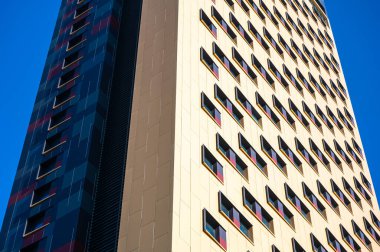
column 195, row 125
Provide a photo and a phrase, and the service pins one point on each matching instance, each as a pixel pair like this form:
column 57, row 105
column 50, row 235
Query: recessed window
column 357, row 147
column 349, row 239
column 292, row 79
column 282, row 20
column 283, row 112
column 344, row 120
column 274, row 248
column 375, row 220
column 287, row 48
column 330, row 63
column 244, row 65
column 54, row 142
column 257, row 210
column 350, row 117
column 311, row 57
column 305, row 31
column 278, row 75
column 259, row 67
column 362, row 191
column 340, row 85
column 243, row 6
column 252, row 154
column 297, row 203
column 361, row 236
column 258, row 37
column 311, row 30
column 320, row 60
column 372, row 232
column 77, row 40
column 324, row 39
column 273, row 155
column 230, row 155
column 301, row 8
column 63, row 97
column 329, row 37
column 305, row 83
column 267, row 111
column 285, row 149
column 314, row 201
column 332, row 154
column 235, row 217
column 49, row 166
column 79, row 25
column 324, row 118
column 311, row 116
column 293, row 6
column 256, row 10
column 294, row 25
column 235, row 23
column 279, row 207
column 318, row 153
column 299, row 115
column 268, row 13
column 317, row 86
column 306, row 155
column 334, row 118
column 366, row 182
column 58, row 119
column 327, row 88
column 338, row 92
column 209, row 63
column 297, row 247
column 342, row 154
column 327, row 197
column 67, row 77
column 71, row 59
column 210, row 162
column 222, row 98
column 82, row 10
column 310, row 12
column 223, row 24
column 210, row 109
column 272, row 41
column 231, row 4
column 339, row 193
column 333, row 242
column 317, row 245
column 42, row 193
column 206, row 21
column 299, row 52
column 352, row 193
column 248, row 107
column 35, row 223
column 214, row 230
column 219, row 54
column 353, row 154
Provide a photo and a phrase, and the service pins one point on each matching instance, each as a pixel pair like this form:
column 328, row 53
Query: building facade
column 203, row 125
column 64, row 197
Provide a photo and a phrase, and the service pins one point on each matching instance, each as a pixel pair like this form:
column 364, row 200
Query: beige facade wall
column 167, row 186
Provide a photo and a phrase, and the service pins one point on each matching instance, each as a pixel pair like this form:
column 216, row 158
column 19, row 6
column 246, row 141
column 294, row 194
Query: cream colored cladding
column 167, row 186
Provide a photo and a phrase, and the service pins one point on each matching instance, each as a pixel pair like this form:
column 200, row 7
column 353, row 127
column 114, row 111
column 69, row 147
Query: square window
column 77, row 40
column 42, row 193
column 49, row 166
column 35, row 223
column 54, row 142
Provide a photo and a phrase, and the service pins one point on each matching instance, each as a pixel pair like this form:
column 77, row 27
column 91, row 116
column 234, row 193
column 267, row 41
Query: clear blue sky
column 26, row 28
